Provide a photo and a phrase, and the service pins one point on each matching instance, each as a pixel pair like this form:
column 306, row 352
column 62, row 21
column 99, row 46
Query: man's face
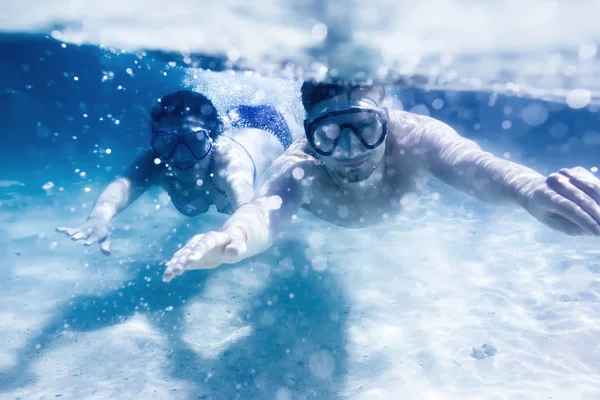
column 350, row 142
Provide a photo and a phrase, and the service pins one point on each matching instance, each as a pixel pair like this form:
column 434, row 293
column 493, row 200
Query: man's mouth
column 353, row 163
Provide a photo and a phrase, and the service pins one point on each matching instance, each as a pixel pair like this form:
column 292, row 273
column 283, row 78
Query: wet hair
column 314, row 92
column 188, row 103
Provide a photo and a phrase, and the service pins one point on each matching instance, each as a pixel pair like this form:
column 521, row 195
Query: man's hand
column 208, row 251
column 568, row 201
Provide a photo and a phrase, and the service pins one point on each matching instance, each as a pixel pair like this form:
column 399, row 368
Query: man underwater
column 359, row 159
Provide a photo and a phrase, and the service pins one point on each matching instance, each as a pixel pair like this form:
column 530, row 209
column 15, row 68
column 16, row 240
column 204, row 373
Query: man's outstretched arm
column 568, row 200
column 236, row 170
column 462, row 164
column 252, row 228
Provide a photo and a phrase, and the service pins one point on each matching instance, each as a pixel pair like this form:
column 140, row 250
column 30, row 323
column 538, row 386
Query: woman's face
column 183, row 143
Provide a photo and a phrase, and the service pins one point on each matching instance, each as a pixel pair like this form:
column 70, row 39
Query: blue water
column 451, row 299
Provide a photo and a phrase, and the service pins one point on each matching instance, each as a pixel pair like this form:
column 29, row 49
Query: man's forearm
column 240, row 192
column 484, row 176
column 254, row 222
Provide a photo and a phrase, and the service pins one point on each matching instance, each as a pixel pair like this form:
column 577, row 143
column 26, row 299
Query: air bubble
column 319, row 263
column 343, row 211
column 298, row 173
column 319, row 32
column 587, row 51
column 578, row 98
column 437, row 104
column 535, row 114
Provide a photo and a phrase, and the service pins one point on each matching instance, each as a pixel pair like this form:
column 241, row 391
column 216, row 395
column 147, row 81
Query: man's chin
column 352, row 175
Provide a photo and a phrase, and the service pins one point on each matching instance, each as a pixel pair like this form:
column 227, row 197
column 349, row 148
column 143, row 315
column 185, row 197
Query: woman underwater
column 198, row 157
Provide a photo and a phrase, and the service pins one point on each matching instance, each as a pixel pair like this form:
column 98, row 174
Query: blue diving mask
column 369, row 125
column 197, row 141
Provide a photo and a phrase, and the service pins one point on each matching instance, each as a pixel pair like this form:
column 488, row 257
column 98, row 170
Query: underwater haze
column 450, row 299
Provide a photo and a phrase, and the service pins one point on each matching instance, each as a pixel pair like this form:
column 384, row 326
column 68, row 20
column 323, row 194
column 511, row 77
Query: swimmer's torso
column 372, row 201
column 195, row 197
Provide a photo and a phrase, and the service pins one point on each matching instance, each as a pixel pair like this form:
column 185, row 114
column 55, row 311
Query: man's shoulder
column 300, row 150
column 405, row 121
column 298, row 155
column 405, row 125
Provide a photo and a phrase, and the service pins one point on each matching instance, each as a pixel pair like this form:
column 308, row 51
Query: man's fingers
column 238, row 243
column 585, row 181
column 196, row 255
column 105, row 246
column 564, row 186
column 173, row 269
column 193, row 252
column 199, row 251
column 189, row 246
column 562, row 224
column 576, row 203
column 210, row 242
column 203, row 252
column 168, row 275
column 569, row 210
column 236, row 248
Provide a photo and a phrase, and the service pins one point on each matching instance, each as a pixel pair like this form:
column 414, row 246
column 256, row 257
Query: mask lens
column 370, row 130
column 199, row 143
column 164, row 143
column 325, row 136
